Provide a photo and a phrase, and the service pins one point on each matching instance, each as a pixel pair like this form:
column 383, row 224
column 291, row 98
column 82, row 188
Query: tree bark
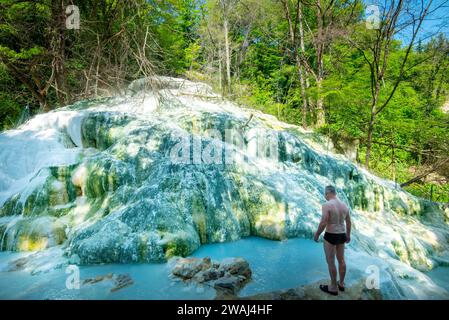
column 227, row 49
column 320, row 120
column 220, row 71
column 59, row 52
column 369, row 139
column 297, row 57
column 418, row 177
column 36, row 93
column 304, row 80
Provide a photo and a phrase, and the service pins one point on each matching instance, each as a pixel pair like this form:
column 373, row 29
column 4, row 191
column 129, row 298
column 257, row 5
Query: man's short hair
column 330, row 189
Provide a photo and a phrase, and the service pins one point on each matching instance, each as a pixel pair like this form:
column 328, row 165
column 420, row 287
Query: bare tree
column 226, row 7
column 392, row 20
column 59, row 51
column 293, row 32
column 331, row 19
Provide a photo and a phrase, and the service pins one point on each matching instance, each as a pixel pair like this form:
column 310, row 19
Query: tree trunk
column 220, row 71
column 58, row 15
column 303, row 97
column 369, row 139
column 304, row 81
column 297, row 56
column 228, row 54
column 38, row 94
column 434, row 168
column 320, row 120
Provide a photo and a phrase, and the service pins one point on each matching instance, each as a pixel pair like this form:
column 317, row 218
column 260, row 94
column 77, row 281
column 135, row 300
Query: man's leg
column 341, row 263
column 329, row 250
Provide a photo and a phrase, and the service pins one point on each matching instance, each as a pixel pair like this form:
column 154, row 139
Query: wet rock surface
column 227, row 277
column 37, row 262
column 357, row 291
column 187, row 268
column 120, row 281
column 98, row 278
column 17, row 265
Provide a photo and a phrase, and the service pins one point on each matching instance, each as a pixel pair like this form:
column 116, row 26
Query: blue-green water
column 275, row 265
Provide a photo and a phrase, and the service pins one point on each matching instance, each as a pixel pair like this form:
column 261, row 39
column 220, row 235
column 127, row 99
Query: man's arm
column 348, row 227
column 323, row 223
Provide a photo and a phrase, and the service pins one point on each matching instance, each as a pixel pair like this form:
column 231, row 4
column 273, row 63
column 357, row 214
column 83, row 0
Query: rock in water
column 236, row 267
column 187, row 268
column 120, row 281
column 229, row 285
column 157, row 173
column 228, row 276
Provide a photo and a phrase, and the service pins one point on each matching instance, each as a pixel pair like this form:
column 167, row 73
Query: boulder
column 120, row 281
column 208, row 275
column 230, row 284
column 187, row 268
column 235, row 266
column 227, row 277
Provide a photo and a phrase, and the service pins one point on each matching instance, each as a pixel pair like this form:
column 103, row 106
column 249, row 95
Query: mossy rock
column 34, row 234
column 179, row 244
column 12, row 207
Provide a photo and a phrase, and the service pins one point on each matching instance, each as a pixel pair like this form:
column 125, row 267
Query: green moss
column 63, row 174
column 143, row 249
column 176, row 247
column 181, row 243
column 98, row 207
column 100, row 130
column 59, row 235
column 270, row 228
column 55, row 198
column 199, row 219
column 29, row 203
column 31, row 243
column 242, row 217
column 264, row 215
column 11, row 207
column 3, row 243
column 36, row 234
column 417, row 255
column 105, row 175
column 400, row 251
column 399, row 206
column 60, row 211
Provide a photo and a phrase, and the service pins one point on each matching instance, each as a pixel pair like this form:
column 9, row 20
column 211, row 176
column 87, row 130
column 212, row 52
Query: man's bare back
column 337, row 212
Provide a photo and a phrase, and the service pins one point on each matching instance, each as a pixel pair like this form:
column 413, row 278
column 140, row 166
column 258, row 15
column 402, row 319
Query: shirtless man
column 335, row 214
